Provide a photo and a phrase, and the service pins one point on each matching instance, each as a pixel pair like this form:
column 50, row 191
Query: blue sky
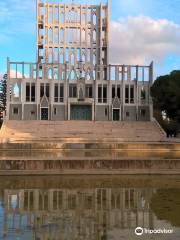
column 141, row 31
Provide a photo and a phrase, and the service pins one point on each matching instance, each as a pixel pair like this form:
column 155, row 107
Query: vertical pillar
column 122, row 206
column 8, row 90
column 50, row 200
column 150, row 84
column 51, row 101
column 23, row 96
column 66, row 81
column 122, row 94
column 107, row 29
column 38, row 91
column 36, row 199
column 37, row 28
column 137, row 94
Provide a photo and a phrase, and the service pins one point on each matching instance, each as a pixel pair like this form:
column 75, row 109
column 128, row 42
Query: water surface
column 88, row 207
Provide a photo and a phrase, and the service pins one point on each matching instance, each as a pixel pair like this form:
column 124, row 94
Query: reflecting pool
column 89, row 207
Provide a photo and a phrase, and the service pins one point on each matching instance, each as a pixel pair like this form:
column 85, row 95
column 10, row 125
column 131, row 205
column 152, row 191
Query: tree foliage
column 3, row 89
column 166, row 95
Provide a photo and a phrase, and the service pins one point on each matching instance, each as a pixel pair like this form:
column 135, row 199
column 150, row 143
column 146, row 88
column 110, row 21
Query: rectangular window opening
column 15, row 111
column 27, row 92
column 33, row 92
column 132, row 94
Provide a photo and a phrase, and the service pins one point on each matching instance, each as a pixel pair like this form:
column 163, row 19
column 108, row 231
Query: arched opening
column 50, row 35
column 73, row 15
column 83, row 74
column 55, row 73
column 55, row 76
column 89, row 15
column 56, row 54
column 62, row 75
column 50, row 73
column 16, row 91
column 61, row 58
column 61, row 35
column 94, row 19
column 78, row 54
column 84, row 18
column 72, row 75
column 89, row 39
column 56, row 35
column 89, row 55
column 83, row 35
column 143, row 94
column 94, row 74
column 61, row 17
column 67, row 55
column 72, row 59
column 50, row 56
column 83, row 58
column 78, row 14
column 94, row 59
column 88, row 75
column 94, row 35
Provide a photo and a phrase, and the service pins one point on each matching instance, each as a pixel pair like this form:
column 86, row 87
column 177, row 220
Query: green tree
column 166, row 98
column 166, row 94
column 3, row 89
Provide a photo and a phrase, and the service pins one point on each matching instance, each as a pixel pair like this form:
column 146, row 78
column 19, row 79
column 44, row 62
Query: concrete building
column 72, row 78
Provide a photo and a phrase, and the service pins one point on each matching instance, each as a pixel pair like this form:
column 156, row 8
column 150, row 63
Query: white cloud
column 13, row 74
column 4, row 12
column 141, row 39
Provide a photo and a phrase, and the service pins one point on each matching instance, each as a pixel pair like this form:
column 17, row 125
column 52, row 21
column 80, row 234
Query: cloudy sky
column 141, row 31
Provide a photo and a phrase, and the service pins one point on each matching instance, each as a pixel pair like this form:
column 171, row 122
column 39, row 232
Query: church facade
column 72, row 78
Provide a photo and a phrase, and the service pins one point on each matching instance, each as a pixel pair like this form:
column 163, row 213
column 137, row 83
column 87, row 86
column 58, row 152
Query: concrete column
column 36, row 199
column 38, row 97
column 23, row 96
column 69, row 110
column 137, row 94
column 122, row 94
column 51, row 102
column 150, row 84
column 8, row 90
column 50, row 200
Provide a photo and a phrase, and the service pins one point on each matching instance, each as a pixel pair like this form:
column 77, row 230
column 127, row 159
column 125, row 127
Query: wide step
column 17, row 131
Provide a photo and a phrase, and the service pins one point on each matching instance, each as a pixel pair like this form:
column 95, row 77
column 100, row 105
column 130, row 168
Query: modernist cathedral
column 72, row 78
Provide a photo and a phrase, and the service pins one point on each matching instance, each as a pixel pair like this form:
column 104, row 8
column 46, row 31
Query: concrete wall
column 60, row 113
column 30, row 112
column 100, row 113
column 13, row 116
column 132, row 113
column 146, row 117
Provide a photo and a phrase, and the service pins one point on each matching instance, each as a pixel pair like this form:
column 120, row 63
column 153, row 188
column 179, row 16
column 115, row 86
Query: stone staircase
column 80, row 131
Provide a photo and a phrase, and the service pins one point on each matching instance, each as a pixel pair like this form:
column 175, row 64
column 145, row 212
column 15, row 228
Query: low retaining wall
column 40, row 167
column 89, row 158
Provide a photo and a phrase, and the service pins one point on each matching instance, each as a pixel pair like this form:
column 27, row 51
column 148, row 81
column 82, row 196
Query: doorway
column 116, row 114
column 44, row 114
column 81, row 112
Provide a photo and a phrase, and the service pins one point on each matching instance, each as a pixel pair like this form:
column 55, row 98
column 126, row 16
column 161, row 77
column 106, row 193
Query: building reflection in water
column 93, row 213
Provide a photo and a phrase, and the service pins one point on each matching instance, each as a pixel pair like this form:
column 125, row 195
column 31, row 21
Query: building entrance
column 44, row 113
column 116, row 114
column 81, row 112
